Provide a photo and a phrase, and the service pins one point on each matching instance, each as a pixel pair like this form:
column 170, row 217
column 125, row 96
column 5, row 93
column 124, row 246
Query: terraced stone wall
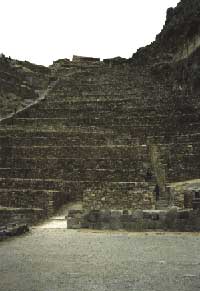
column 70, row 141
column 97, row 126
column 128, row 196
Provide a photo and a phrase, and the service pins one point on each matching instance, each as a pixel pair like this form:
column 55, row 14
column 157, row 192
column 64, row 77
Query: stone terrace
column 101, row 123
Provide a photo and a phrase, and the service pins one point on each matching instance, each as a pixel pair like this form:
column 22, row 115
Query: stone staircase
column 162, row 203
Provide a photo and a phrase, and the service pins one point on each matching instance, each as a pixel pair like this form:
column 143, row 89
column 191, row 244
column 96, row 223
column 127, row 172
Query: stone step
column 95, row 132
column 73, row 103
column 112, row 175
column 85, row 152
column 92, row 136
column 69, row 140
column 57, row 185
column 85, row 120
column 29, row 198
column 162, row 204
column 129, row 114
column 76, row 164
column 141, row 132
column 79, row 110
column 87, row 139
column 80, row 132
column 89, row 93
column 35, row 184
column 27, row 190
column 112, row 152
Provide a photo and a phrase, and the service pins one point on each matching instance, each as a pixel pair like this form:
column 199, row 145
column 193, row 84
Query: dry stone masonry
column 115, row 134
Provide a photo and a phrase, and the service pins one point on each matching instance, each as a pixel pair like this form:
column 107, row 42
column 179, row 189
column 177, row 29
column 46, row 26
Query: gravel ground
column 61, row 259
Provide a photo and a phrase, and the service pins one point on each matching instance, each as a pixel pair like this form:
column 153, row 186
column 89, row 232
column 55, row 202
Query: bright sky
column 42, row 31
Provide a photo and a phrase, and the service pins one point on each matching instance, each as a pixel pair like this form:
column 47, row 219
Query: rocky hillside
column 20, row 84
column 174, row 57
column 182, row 26
column 179, row 38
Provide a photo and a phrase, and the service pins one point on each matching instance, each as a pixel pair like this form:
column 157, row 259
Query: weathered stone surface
column 126, row 195
column 114, row 133
column 82, row 59
column 29, row 216
column 20, row 84
column 75, row 219
column 13, row 230
column 172, row 219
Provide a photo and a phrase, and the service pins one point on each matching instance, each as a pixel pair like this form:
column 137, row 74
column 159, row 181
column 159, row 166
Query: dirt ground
column 49, row 259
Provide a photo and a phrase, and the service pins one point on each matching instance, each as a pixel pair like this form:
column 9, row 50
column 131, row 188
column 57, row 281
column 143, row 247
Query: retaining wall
column 20, row 215
column 139, row 220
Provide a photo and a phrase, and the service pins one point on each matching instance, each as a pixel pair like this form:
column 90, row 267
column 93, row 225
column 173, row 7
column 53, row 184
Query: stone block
column 105, row 216
column 115, row 223
column 75, row 213
column 171, row 217
column 137, row 214
column 74, row 223
column 184, row 214
column 116, row 213
column 125, row 218
column 94, row 216
column 125, row 212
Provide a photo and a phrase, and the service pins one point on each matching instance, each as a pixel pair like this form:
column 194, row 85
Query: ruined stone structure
column 116, row 134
